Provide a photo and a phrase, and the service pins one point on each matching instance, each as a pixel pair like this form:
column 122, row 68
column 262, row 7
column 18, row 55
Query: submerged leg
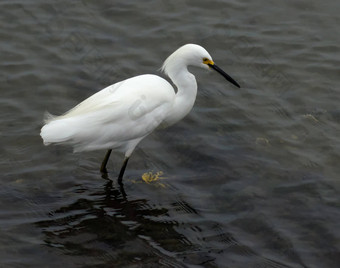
column 122, row 170
column 106, row 158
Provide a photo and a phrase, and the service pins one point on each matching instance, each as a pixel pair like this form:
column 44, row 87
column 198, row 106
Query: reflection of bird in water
column 109, row 186
column 104, row 229
column 121, row 115
column 105, row 226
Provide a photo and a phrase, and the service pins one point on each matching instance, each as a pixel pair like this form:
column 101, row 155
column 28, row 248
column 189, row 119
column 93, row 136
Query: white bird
column 119, row 116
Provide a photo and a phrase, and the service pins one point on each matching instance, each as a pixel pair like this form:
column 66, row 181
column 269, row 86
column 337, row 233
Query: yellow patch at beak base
column 208, row 62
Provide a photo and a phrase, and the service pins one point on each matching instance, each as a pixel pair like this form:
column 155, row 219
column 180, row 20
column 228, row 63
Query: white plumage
column 121, row 115
column 116, row 117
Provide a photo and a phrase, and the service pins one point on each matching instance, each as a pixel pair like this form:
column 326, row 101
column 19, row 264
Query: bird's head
column 193, row 55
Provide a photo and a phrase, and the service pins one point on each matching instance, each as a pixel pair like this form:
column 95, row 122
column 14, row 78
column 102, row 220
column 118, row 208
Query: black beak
column 225, row 75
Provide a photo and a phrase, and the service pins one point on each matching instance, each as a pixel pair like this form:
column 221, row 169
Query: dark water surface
column 249, row 179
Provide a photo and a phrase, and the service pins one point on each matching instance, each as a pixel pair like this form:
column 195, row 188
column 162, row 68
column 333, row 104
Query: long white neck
column 186, row 93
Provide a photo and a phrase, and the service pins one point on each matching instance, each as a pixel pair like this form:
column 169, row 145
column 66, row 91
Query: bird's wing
column 97, row 101
column 125, row 111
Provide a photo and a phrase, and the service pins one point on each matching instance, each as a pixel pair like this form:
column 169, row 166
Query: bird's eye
column 205, row 59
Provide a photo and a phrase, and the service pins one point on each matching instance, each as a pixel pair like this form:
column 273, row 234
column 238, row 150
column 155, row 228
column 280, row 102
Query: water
column 248, row 179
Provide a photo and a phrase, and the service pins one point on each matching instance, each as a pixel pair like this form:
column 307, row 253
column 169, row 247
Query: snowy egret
column 121, row 115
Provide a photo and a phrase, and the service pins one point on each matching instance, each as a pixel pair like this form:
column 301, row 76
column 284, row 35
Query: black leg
column 106, row 158
column 122, row 170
